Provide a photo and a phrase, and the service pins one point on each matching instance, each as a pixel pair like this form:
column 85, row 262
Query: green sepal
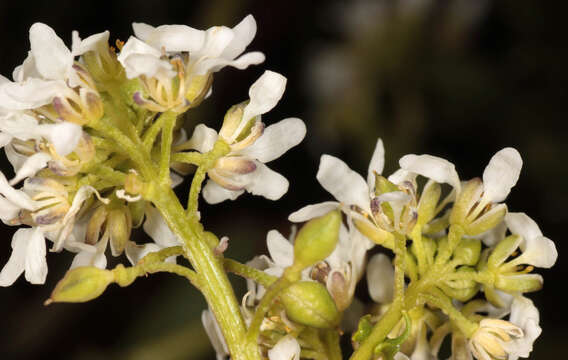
column 364, row 329
column 383, row 185
column 390, row 347
column 519, row 282
column 428, row 202
column 503, row 250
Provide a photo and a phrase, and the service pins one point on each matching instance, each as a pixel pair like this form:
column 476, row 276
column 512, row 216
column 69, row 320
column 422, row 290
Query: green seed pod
column 316, row 240
column 81, row 285
column 309, row 303
column 468, row 252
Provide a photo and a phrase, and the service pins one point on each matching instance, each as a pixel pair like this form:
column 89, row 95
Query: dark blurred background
column 458, row 79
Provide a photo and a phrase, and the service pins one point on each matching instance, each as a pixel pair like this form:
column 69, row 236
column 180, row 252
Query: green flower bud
column 81, row 285
column 308, row 303
column 503, row 250
column 468, row 251
column 317, row 239
column 428, row 202
column 519, row 282
column 119, row 224
column 462, row 289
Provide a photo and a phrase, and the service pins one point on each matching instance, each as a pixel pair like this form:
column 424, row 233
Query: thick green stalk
column 331, row 341
column 215, row 284
column 166, row 146
column 249, row 272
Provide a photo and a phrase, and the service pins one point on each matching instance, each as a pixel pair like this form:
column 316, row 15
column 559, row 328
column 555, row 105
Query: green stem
column 399, row 267
column 150, row 135
column 192, row 157
column 261, row 310
column 215, row 284
column 331, row 341
column 166, row 148
column 454, row 236
column 249, row 272
column 416, row 237
column 219, row 150
column 439, row 299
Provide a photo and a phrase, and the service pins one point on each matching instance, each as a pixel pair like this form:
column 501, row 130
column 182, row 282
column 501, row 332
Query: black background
column 460, row 84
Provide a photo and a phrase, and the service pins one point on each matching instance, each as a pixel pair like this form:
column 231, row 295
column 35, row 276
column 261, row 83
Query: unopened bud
column 133, row 184
column 462, row 289
column 119, row 224
column 81, row 285
column 308, row 303
column 317, row 239
column 468, row 252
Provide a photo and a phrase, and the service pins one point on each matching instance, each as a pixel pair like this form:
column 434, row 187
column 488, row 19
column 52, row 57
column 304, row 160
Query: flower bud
column 468, row 251
column 81, row 285
column 317, row 239
column 309, row 303
column 462, row 289
column 119, row 224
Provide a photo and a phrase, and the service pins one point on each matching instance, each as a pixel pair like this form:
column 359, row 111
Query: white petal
column 525, row 315
column 268, row 183
column 241, row 63
column 286, row 348
column 159, row 231
column 433, row 167
column 280, row 249
column 16, row 264
column 8, row 210
column 214, row 333
column 276, row 140
column 136, row 252
column 139, row 58
column 494, row 236
column 264, row 94
column 92, row 43
column 244, row 32
column 203, row 139
column 501, row 174
column 31, row 166
column 311, row 211
column 400, row 356
column 343, row 183
column 216, row 40
column 90, row 257
column 35, row 264
column 401, row 175
column 214, row 193
column 173, row 38
column 30, row 94
column 377, row 163
column 537, row 250
column 16, row 197
column 5, row 139
column 522, row 225
column 53, row 59
column 380, row 279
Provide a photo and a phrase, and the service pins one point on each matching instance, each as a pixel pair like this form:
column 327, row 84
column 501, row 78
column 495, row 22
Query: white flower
column 209, row 50
column 243, row 168
column 508, row 339
column 287, row 348
column 28, row 254
column 49, row 71
column 351, row 190
column 537, row 250
column 215, row 335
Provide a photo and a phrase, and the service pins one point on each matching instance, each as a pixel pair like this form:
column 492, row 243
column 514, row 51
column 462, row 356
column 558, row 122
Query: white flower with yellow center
column 244, row 169
column 157, row 55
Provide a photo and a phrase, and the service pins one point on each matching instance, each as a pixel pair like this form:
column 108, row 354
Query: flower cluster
column 458, row 241
column 96, row 139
